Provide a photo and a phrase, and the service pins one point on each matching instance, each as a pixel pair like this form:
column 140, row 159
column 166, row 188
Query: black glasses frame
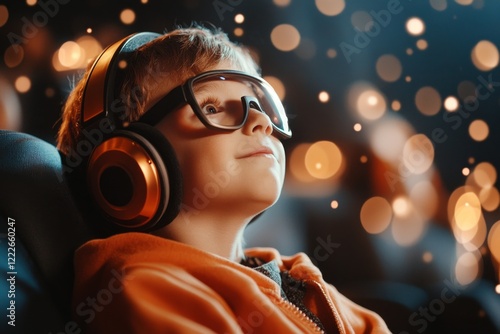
column 184, row 94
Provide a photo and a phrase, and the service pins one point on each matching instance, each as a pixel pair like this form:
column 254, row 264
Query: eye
column 211, row 106
column 209, row 109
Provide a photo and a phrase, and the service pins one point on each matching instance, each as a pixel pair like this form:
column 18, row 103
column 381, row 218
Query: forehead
column 218, row 86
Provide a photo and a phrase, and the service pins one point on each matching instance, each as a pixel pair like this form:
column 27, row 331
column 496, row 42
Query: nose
column 257, row 119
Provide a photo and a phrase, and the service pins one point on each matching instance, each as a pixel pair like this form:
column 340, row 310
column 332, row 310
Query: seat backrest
column 42, row 223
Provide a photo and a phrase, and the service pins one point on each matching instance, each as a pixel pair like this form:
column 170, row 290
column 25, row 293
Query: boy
column 204, row 96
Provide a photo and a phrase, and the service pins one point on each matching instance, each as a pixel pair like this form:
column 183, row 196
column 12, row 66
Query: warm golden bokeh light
column 427, row 257
column 451, row 103
column 297, row 165
column 282, row 3
column 470, row 227
column 90, row 47
column 239, row 18
column 467, row 268
column 76, row 54
column 428, row 101
column 69, row 54
column 357, row 127
column 323, row 97
column 331, row 53
column 13, row 56
column 479, row 237
column 127, row 16
column 376, row 215
column 323, row 159
column 370, row 104
column 422, row 44
column 425, row 199
column 396, row 105
column 22, row 84
column 415, row 26
column 330, row 7
column 306, row 49
column 464, row 2
column 467, row 211
column 494, row 241
column 362, row 20
column 439, row 5
column 479, row 130
column 408, row 230
column 485, row 175
column 465, row 171
column 10, row 107
column 389, row 68
column 490, row 198
column 485, row 55
column 278, row 86
column 401, row 206
column 334, row 204
column 285, row 37
column 418, row 154
column 388, row 137
column 4, row 15
column 238, row 32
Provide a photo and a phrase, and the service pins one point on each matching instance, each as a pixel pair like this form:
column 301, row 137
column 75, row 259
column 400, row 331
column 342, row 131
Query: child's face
column 240, row 171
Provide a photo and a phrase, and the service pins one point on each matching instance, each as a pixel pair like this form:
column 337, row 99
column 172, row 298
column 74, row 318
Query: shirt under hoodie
column 141, row 283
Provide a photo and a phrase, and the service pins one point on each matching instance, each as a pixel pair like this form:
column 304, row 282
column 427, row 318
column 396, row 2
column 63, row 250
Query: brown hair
column 175, row 56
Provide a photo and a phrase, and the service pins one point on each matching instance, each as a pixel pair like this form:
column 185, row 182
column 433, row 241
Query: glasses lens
column 219, row 99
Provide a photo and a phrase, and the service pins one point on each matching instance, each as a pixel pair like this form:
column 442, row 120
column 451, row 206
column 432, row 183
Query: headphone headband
column 99, row 91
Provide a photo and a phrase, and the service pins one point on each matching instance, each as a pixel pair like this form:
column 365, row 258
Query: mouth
column 260, row 152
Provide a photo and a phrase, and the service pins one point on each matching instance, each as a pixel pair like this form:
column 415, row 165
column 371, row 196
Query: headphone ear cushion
column 135, row 179
column 169, row 159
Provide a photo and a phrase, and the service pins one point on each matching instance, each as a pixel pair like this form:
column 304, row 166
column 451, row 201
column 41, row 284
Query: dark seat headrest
column 36, row 195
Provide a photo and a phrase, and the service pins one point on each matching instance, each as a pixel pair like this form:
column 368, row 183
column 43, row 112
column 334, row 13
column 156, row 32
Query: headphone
column 132, row 173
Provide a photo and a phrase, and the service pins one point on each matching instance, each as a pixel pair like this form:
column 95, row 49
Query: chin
column 267, row 199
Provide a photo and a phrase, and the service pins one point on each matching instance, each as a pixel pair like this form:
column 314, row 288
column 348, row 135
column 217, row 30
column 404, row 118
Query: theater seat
column 39, row 217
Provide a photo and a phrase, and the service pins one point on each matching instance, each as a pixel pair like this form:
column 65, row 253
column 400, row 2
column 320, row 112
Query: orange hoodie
column 140, row 283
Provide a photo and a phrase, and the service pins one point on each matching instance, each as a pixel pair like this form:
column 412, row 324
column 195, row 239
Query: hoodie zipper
column 301, row 315
column 333, row 309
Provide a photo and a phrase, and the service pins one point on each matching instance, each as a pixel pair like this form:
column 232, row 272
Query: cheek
column 200, row 158
column 281, row 157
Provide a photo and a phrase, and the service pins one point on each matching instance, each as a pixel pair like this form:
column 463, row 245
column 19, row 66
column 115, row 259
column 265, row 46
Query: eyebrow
column 203, row 87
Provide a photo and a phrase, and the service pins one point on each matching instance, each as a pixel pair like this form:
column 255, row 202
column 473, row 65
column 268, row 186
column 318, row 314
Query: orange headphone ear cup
column 135, row 179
